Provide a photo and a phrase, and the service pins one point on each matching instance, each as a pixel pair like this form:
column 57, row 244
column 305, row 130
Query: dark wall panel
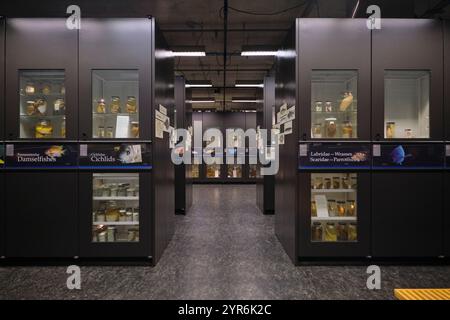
column 163, row 168
column 447, row 78
column 286, row 179
column 2, row 77
column 407, row 214
column 446, row 226
column 41, row 214
column 41, row 44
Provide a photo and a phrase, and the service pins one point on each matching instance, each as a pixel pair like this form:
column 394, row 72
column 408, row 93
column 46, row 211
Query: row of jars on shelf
column 333, row 232
column 337, row 208
column 115, row 234
column 115, row 105
column 329, row 129
column 111, row 212
column 43, row 88
column 38, row 107
column 344, row 105
column 108, row 132
column 345, row 182
column 116, row 190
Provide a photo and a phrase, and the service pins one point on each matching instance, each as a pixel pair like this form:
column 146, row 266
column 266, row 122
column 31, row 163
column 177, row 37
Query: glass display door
column 334, row 214
column 114, row 215
column 115, row 104
column 334, row 108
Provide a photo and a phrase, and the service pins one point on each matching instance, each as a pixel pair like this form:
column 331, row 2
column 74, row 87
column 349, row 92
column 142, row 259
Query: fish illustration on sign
column 398, row 155
column 55, row 151
column 130, row 154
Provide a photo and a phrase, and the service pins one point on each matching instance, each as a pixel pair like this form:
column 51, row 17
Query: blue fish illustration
column 398, row 155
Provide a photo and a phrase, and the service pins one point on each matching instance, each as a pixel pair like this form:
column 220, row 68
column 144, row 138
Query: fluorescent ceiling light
column 248, row 84
column 258, row 53
column 189, row 53
column 198, row 84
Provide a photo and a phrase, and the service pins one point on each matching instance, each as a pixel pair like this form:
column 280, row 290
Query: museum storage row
column 363, row 173
column 84, row 179
column 235, row 172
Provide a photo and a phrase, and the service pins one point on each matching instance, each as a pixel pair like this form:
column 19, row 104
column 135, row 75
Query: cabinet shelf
column 115, row 223
column 36, row 116
column 334, row 219
column 333, row 190
column 116, row 198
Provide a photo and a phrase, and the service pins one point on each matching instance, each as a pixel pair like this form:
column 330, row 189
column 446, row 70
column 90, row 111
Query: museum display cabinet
column 88, row 181
column 369, row 180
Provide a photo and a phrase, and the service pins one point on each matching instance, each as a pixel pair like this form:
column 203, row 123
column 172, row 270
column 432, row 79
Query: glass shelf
column 115, row 104
column 334, row 207
column 115, row 216
column 42, row 104
column 334, row 104
column 406, row 104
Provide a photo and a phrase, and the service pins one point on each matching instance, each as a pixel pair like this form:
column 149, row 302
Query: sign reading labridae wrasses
column 334, row 155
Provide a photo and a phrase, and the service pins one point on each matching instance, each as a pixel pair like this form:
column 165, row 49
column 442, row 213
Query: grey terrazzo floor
column 223, row 249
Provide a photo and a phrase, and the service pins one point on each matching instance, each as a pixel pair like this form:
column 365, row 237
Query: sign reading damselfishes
column 42, row 155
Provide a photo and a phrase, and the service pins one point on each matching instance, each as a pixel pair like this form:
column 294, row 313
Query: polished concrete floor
column 223, row 249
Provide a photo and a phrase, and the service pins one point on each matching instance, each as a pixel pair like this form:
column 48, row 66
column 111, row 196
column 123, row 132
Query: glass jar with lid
column 352, row 232
column 332, row 208
column 342, row 231
column 346, row 184
column 328, row 106
column 318, row 106
column 317, row 131
column 131, row 104
column 327, row 184
column 109, row 133
column 43, row 129
column 112, row 212
column 336, row 182
column 351, row 208
column 330, row 233
column 59, row 106
column 347, row 130
column 316, row 231
column 330, row 127
column 318, row 183
column 46, row 89
column 114, row 107
column 30, row 108
column 313, row 209
column 101, row 106
column 341, row 208
column 101, row 132
column 40, row 106
column 134, row 129
column 390, row 130
column 111, row 234
column 30, row 88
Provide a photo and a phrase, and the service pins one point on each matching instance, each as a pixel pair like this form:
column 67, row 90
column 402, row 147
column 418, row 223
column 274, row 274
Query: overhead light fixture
column 201, row 100
column 355, row 9
column 198, row 84
column 255, row 51
column 246, row 100
column 248, row 84
column 188, row 51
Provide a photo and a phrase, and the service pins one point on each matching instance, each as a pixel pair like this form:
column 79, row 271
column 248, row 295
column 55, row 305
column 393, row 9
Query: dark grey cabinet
column 407, row 214
column 447, row 78
column 446, row 217
column 334, row 79
column 407, row 80
column 2, row 76
column 2, row 216
column 116, row 79
column 41, row 70
column 42, row 218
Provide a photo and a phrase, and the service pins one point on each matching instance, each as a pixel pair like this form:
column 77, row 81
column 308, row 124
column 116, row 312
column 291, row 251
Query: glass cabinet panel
column 115, row 104
column 42, row 104
column 254, row 171
column 406, row 104
column 195, row 170
column 234, row 171
column 334, row 207
column 213, row 171
column 334, row 104
column 115, row 216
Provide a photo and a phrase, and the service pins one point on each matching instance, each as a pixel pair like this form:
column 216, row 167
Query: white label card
column 303, row 152
column 9, row 150
column 447, row 150
column 377, row 150
column 122, row 126
column 83, row 150
column 322, row 205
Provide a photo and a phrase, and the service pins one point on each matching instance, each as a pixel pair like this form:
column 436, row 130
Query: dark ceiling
column 201, row 22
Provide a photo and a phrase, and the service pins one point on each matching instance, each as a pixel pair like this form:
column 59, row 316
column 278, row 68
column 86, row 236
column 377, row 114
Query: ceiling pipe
column 228, row 30
column 225, row 34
